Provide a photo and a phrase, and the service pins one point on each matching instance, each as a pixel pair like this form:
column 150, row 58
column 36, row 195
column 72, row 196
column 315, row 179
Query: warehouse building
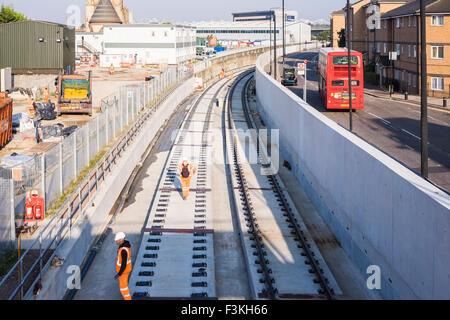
column 230, row 33
column 291, row 15
column 255, row 27
column 37, row 47
column 148, row 44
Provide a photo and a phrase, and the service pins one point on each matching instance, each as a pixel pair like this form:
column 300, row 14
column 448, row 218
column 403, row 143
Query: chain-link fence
column 6, row 213
column 55, row 172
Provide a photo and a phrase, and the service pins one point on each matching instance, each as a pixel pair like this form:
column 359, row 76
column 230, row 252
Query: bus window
column 338, row 83
column 342, row 60
column 355, row 83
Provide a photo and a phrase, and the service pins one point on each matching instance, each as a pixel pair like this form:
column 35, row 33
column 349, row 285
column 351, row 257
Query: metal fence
column 56, row 170
column 6, row 213
column 123, row 115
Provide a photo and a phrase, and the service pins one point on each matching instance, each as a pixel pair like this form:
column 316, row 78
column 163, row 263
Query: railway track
column 283, row 261
column 176, row 257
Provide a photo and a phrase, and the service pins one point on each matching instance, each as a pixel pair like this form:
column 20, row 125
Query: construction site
column 140, row 162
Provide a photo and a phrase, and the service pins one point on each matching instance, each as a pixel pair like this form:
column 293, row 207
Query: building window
column 414, row 81
column 437, row 52
column 385, row 24
column 415, row 51
column 397, row 75
column 409, row 21
column 403, row 49
column 437, row 21
column 415, row 21
column 385, row 47
column 403, row 22
column 409, row 79
column 397, row 23
column 437, row 83
column 397, row 47
column 403, row 75
column 378, row 47
column 409, row 50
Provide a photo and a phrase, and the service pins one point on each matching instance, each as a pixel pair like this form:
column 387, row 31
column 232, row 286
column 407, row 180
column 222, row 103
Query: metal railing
column 204, row 64
column 121, row 118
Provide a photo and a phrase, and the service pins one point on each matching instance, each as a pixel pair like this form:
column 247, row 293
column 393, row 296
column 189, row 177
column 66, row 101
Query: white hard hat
column 119, row 235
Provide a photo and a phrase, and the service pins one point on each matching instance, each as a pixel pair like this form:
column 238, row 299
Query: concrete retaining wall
column 239, row 60
column 75, row 249
column 382, row 213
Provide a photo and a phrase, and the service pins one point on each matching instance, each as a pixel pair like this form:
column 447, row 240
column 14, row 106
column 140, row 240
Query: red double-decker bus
column 333, row 78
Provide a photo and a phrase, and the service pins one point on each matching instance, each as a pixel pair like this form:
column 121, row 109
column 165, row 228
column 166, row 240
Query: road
column 391, row 126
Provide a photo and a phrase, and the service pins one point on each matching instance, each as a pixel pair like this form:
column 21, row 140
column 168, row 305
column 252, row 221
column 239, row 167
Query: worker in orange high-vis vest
column 46, row 94
column 123, row 264
column 186, row 172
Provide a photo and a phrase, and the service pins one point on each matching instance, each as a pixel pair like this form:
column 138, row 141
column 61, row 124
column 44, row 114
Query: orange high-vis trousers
column 123, row 283
column 46, row 96
column 185, row 184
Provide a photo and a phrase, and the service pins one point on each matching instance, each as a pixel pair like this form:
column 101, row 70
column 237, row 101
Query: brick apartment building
column 400, row 32
column 337, row 23
column 360, row 34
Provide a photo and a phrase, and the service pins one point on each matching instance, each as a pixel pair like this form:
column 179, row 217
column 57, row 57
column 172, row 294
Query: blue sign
column 290, row 18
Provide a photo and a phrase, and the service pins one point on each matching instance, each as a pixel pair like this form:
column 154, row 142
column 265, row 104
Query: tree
column 7, row 15
column 342, row 41
column 324, row 35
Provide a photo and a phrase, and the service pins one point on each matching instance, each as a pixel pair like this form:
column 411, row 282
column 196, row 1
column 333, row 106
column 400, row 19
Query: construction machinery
column 74, row 94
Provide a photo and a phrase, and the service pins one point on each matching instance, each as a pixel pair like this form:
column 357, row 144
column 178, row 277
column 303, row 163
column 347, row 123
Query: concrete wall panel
column 381, row 212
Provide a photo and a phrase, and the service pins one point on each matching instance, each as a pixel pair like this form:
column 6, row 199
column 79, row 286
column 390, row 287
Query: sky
column 176, row 10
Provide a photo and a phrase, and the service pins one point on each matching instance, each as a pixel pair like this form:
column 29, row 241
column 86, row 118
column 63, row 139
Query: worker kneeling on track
column 186, row 172
column 123, row 264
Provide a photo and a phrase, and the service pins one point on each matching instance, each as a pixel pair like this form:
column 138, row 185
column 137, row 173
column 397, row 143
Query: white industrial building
column 258, row 31
column 139, row 43
column 291, row 15
column 88, row 43
column 256, row 27
column 150, row 43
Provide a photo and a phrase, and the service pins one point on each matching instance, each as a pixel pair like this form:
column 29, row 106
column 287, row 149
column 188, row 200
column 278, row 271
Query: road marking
column 430, row 117
column 411, row 134
column 384, row 120
column 408, row 103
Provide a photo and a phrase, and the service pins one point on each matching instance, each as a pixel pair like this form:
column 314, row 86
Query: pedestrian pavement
column 380, row 93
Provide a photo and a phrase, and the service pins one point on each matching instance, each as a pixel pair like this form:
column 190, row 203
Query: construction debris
column 22, row 122
column 44, row 111
column 57, row 130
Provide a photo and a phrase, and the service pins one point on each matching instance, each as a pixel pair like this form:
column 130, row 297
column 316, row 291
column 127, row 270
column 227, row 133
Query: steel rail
column 184, row 126
column 250, row 215
column 316, row 269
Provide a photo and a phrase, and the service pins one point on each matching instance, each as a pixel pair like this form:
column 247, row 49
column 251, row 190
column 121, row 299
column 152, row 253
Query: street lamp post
column 270, row 43
column 423, row 93
column 284, row 33
column 349, row 66
column 275, row 46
